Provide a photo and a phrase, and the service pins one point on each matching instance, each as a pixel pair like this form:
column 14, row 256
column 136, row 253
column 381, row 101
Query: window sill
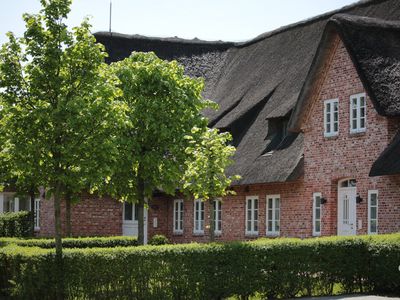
column 177, row 233
column 198, row 233
column 357, row 133
column 331, row 137
column 217, row 234
column 273, row 234
column 251, row 235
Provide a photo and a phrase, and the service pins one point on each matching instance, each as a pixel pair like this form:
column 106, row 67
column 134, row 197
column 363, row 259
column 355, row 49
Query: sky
column 228, row 20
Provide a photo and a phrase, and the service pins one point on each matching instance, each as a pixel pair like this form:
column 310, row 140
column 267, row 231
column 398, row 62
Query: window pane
column 362, row 123
column 362, row 102
column 277, row 203
column 317, row 226
column 373, row 226
column 136, row 212
column 277, row 214
column 24, row 203
column 128, row 211
column 318, row 214
column 373, row 199
column 270, row 225
column 373, row 213
column 328, row 108
column 277, row 226
column 317, row 201
column 8, row 203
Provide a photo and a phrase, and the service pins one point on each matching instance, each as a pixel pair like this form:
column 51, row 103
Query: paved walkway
column 351, row 297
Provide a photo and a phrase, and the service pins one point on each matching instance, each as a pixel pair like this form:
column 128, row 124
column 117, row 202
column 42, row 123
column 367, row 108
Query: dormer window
column 331, row 117
column 357, row 113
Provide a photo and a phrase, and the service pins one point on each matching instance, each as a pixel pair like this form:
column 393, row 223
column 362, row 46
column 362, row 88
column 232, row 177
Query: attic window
column 277, row 132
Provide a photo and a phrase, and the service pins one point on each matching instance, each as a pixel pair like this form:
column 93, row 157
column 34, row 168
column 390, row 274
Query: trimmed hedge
column 84, row 242
column 278, row 268
column 16, row 224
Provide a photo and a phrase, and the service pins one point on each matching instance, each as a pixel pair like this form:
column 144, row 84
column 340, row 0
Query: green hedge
column 278, row 268
column 18, row 224
column 84, row 242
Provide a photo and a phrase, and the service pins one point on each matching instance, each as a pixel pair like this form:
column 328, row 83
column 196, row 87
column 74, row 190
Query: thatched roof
column 388, row 162
column 256, row 83
column 374, row 47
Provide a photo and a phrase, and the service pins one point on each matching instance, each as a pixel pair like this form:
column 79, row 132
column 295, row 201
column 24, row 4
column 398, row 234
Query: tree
column 58, row 114
column 164, row 106
column 205, row 177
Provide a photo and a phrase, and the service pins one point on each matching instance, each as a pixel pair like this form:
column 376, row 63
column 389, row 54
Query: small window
column 217, row 206
column 358, row 113
column 273, row 214
column 178, row 216
column 36, row 212
column 373, row 212
column 130, row 212
column 317, row 214
column 331, row 117
column 252, row 215
column 198, row 217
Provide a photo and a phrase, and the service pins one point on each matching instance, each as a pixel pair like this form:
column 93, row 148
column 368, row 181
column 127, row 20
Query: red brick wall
column 327, row 160
column 92, row 216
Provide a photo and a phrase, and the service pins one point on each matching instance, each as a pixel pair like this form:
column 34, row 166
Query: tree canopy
column 58, row 118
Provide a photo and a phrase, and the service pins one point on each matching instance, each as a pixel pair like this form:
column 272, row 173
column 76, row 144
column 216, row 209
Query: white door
column 130, row 221
column 347, row 210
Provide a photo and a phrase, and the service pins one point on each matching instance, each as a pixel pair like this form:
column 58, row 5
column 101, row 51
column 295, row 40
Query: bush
column 278, row 268
column 84, row 242
column 158, row 239
column 16, row 224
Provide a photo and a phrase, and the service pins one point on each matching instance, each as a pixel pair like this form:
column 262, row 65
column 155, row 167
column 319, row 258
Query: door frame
column 133, row 223
column 353, row 191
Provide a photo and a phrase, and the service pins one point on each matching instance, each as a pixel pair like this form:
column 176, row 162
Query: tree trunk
column 212, row 220
column 68, row 214
column 59, row 259
column 140, row 204
column 32, row 200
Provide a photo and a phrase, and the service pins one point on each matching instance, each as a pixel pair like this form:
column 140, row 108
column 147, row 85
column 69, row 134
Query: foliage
column 16, row 224
column 83, row 242
column 59, row 119
column 210, row 155
column 164, row 106
column 278, row 268
column 158, row 239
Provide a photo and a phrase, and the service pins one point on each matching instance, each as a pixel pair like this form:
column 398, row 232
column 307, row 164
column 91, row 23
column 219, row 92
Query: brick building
column 314, row 112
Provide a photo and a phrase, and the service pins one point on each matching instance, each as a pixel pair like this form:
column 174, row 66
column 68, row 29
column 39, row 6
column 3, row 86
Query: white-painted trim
column 180, row 222
column 332, row 116
column 216, row 219
column 358, row 129
column 273, row 231
column 1, row 203
column 37, row 214
column 198, row 222
column 252, row 230
column 370, row 192
column 315, row 195
column 16, row 204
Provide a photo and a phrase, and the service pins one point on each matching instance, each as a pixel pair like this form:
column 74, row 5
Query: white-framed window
column 372, row 212
column 36, row 212
column 317, row 212
column 273, row 214
column 358, row 113
column 217, row 206
column 178, row 216
column 131, row 213
column 252, row 215
column 331, row 117
column 198, row 227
